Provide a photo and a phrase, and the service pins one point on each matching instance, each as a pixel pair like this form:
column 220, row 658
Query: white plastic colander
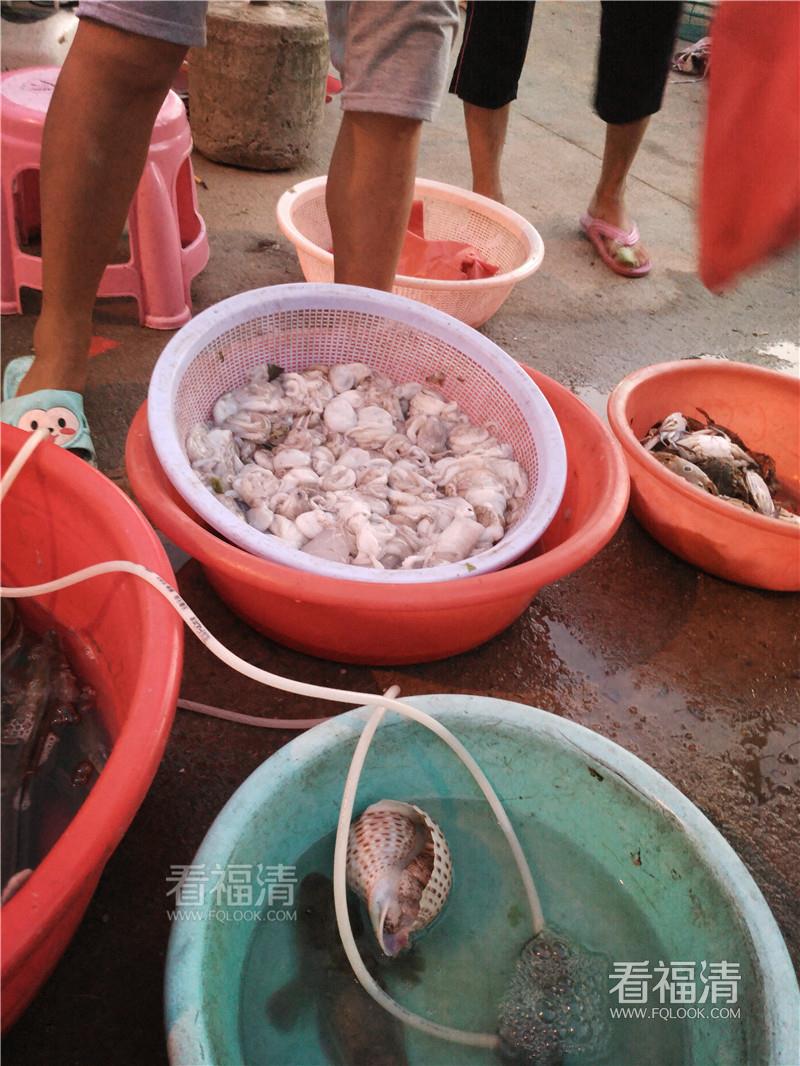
column 297, row 326
column 502, row 237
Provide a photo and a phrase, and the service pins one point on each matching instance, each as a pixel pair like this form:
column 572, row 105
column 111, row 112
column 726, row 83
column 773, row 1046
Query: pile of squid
column 344, row 464
column 716, row 460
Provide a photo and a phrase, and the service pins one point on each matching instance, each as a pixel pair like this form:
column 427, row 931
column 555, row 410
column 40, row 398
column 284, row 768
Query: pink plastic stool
column 167, row 234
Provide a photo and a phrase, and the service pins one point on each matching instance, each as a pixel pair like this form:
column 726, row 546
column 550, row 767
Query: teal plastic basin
column 623, row 861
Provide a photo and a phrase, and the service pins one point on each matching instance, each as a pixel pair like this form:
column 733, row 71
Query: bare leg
column 369, row 193
column 608, row 202
column 94, row 148
column 486, row 133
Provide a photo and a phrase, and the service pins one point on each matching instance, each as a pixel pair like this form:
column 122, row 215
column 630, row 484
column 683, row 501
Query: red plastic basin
column 61, row 515
column 760, row 405
column 350, row 621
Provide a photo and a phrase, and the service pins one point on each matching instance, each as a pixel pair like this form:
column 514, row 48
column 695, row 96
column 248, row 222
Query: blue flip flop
column 58, row 410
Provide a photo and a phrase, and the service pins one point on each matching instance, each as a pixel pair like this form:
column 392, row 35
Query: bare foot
column 61, row 362
column 613, row 211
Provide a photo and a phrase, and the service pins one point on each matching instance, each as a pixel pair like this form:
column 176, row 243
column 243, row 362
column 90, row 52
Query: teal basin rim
column 192, row 1043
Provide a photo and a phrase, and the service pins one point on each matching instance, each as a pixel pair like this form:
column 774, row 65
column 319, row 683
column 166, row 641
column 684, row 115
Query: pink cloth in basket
column 444, row 260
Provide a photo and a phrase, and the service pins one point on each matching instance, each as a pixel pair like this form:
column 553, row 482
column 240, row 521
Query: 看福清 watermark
column 233, row 892
column 669, row 991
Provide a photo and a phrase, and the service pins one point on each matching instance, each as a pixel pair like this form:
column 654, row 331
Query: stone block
column 257, row 90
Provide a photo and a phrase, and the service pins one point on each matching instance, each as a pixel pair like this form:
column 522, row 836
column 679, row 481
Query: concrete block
column 257, row 90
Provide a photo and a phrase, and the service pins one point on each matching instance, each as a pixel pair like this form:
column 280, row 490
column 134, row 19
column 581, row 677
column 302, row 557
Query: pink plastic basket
column 501, row 236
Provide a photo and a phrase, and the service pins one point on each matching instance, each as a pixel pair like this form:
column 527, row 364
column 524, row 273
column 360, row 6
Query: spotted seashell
column 398, row 861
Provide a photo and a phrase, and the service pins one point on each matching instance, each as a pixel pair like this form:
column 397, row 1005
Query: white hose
column 301, row 688
column 20, row 459
column 456, row 1036
column 250, row 719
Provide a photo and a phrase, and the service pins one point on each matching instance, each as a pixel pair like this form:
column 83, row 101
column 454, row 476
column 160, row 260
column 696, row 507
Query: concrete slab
column 698, row 677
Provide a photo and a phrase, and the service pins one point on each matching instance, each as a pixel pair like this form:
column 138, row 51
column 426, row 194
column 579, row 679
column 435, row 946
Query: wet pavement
column 698, row 677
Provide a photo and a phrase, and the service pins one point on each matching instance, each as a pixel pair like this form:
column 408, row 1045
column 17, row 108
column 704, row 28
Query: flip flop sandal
column 58, row 410
column 596, row 229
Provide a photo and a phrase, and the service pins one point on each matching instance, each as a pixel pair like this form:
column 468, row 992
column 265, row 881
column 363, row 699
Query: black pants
column 636, row 42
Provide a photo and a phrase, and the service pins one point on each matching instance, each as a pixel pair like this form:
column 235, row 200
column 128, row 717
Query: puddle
column 762, row 753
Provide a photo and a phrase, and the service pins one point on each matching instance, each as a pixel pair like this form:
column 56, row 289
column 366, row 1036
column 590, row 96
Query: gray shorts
column 178, row 21
column 392, row 56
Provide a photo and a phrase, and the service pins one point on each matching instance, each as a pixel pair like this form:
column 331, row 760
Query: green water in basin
column 458, row 972
column 626, row 866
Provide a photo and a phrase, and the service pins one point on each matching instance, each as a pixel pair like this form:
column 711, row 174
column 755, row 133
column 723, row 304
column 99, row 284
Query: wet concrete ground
column 698, row 677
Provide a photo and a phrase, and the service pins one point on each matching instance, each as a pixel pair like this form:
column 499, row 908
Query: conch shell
column 398, row 861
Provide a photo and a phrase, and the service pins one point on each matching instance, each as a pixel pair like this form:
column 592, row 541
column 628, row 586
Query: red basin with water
column 59, row 516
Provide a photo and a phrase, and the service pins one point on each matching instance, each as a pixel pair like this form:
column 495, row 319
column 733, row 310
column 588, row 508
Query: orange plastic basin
column 762, row 407
column 61, row 515
column 350, row 621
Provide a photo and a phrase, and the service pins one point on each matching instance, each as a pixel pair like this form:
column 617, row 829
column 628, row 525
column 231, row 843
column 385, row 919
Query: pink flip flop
column 596, row 228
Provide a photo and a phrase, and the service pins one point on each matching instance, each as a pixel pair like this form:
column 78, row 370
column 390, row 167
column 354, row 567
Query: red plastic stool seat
column 168, row 242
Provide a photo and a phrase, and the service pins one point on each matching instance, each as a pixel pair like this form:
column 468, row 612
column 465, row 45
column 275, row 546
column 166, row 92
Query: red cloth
column 750, row 196
column 445, row 260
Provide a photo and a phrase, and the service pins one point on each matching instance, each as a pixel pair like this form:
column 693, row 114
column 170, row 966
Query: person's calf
column 486, row 134
column 92, row 158
column 369, row 192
